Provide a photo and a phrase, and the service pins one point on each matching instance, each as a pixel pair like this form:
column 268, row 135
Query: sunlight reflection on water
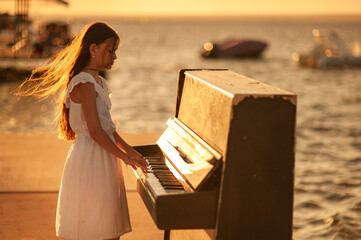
column 328, row 158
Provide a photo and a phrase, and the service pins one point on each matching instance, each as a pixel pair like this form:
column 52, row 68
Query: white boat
column 329, row 52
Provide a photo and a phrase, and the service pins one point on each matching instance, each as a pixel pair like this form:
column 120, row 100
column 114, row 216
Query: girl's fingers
column 139, row 162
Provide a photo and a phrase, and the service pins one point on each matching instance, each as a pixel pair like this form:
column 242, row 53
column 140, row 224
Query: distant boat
column 234, row 48
column 52, row 38
column 329, row 51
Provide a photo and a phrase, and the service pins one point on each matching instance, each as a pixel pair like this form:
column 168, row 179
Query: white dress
column 92, row 204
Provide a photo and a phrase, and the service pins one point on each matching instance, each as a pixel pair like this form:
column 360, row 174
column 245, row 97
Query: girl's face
column 104, row 54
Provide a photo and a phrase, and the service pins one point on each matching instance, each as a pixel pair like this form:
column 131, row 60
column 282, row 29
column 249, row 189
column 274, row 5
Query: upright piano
column 224, row 166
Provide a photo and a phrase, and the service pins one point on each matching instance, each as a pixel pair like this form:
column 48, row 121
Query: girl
column 92, row 203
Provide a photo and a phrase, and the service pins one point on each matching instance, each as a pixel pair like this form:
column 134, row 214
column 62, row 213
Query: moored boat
column 329, row 52
column 234, row 48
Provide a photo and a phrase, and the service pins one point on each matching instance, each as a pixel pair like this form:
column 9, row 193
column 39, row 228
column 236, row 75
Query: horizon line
column 207, row 17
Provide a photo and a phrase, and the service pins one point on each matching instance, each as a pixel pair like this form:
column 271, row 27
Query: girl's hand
column 137, row 161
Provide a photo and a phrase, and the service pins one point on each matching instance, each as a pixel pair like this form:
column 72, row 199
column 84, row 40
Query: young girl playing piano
column 92, row 203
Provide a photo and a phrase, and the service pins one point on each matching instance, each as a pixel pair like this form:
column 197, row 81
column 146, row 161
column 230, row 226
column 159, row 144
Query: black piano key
column 155, row 161
column 173, row 187
column 163, row 173
column 170, row 176
column 159, row 167
column 156, row 164
column 164, row 181
column 152, row 157
column 167, row 177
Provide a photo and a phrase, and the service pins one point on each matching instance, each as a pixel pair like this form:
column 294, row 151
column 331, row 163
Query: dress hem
column 101, row 238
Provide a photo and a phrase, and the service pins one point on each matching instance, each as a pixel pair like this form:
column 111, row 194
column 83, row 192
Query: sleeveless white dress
column 92, row 202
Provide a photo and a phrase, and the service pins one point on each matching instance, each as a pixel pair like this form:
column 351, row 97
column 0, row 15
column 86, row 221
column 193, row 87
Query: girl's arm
column 86, row 94
column 125, row 146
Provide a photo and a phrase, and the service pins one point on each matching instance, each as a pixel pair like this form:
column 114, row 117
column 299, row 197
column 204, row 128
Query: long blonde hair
column 55, row 75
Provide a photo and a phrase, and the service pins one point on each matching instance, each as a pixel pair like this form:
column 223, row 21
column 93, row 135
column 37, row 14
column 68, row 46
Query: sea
column 327, row 197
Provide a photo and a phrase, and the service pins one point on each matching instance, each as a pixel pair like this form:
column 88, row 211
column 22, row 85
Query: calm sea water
column 328, row 154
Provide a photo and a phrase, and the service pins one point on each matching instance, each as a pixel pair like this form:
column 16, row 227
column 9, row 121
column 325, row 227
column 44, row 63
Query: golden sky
column 192, row 7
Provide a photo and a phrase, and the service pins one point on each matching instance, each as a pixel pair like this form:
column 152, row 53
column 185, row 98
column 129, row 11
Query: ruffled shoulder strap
column 106, row 86
column 84, row 77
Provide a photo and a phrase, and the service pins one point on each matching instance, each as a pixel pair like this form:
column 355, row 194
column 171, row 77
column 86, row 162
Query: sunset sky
column 192, row 7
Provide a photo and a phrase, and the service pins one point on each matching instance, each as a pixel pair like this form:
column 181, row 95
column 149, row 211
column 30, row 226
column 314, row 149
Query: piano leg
column 166, row 234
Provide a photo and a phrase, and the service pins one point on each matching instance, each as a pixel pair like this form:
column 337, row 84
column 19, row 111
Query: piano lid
column 193, row 158
column 206, row 100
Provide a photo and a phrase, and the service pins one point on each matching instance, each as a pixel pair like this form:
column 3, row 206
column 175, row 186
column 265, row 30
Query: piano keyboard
column 161, row 171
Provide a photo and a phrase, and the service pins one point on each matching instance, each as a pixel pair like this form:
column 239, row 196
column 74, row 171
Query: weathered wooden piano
column 224, row 167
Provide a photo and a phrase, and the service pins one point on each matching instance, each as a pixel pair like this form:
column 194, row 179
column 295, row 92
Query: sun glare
column 190, row 7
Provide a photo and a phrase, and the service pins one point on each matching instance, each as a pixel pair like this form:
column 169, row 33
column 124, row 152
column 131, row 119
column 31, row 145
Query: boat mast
column 21, row 36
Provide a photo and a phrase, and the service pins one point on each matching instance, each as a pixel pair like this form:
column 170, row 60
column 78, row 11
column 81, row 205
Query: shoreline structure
column 143, row 19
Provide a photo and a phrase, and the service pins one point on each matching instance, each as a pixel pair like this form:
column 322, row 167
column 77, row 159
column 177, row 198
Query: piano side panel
column 260, row 159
